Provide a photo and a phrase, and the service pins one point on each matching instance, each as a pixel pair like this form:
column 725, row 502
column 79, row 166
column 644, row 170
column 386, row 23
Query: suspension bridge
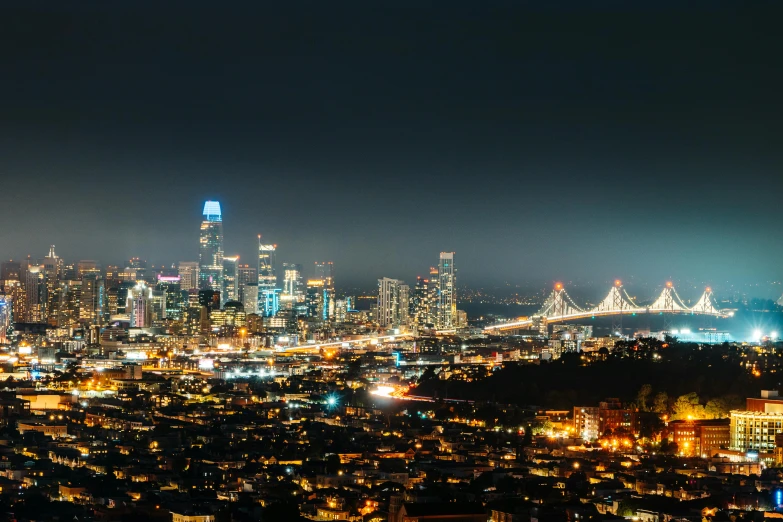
column 559, row 307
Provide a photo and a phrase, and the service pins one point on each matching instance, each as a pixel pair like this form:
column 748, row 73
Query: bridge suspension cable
column 560, row 307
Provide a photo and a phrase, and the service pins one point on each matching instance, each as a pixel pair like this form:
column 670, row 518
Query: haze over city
column 562, row 144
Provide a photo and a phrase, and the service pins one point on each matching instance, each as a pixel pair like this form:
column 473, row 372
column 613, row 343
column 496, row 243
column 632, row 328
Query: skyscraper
column 250, row 297
column 53, row 273
column 293, row 286
column 425, row 301
column 35, row 292
column 315, row 299
column 247, row 275
column 188, row 275
column 175, row 298
column 210, row 256
column 93, row 298
column 12, row 286
column 447, row 291
column 392, row 302
column 139, row 305
column 268, row 292
column 230, row 279
column 5, row 317
column 324, row 270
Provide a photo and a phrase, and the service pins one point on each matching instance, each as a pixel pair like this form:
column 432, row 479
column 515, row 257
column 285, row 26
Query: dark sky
column 635, row 139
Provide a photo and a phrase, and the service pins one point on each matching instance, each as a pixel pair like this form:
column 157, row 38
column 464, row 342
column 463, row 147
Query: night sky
column 539, row 144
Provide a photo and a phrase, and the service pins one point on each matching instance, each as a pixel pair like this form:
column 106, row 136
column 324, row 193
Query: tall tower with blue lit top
column 210, row 254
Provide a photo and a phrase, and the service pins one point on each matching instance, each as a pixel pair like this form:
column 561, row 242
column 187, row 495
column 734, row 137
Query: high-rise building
column 12, row 285
column 5, row 317
column 157, row 305
column 268, row 292
column 447, row 291
column 392, row 311
column 69, row 295
column 209, row 299
column 11, row 271
column 52, row 274
column 93, row 298
column 250, row 298
column 293, row 286
column 405, row 304
column 230, row 279
column 271, row 302
column 210, row 256
column 424, row 302
column 188, row 275
column 324, row 270
column 87, row 267
column 175, row 297
column 139, row 305
column 247, row 275
column 315, row 299
column 35, row 291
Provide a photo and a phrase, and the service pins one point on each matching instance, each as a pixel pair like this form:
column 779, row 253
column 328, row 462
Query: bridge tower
column 667, row 305
column 618, row 303
column 706, row 308
column 559, row 306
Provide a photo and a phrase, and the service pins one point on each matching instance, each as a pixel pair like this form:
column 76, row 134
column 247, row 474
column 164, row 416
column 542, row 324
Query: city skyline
column 213, row 261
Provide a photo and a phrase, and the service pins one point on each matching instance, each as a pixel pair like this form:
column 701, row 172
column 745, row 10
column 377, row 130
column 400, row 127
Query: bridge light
column 617, row 282
column 708, row 289
column 558, row 286
column 668, row 284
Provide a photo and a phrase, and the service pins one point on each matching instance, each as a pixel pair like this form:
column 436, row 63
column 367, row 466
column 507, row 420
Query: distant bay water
column 746, row 325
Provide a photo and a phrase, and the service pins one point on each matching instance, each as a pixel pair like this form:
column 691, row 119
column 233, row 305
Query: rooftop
column 212, row 211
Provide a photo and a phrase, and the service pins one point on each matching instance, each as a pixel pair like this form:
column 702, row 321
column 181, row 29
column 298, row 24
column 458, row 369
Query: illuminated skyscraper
column 424, row 303
column 250, row 297
column 315, row 299
column 5, row 317
column 392, row 303
column 175, row 297
column 87, row 267
column 210, row 256
column 447, row 291
column 247, row 275
column 93, row 298
column 230, row 279
column 11, row 285
column 139, row 306
column 53, row 273
column 35, row 292
column 268, row 292
column 324, row 270
column 293, row 286
column 188, row 275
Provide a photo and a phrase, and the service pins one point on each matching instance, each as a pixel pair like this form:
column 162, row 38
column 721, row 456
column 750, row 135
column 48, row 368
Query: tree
column 688, row 407
column 286, row 510
column 716, row 408
column 527, row 440
column 332, row 464
column 643, row 396
column 661, row 403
